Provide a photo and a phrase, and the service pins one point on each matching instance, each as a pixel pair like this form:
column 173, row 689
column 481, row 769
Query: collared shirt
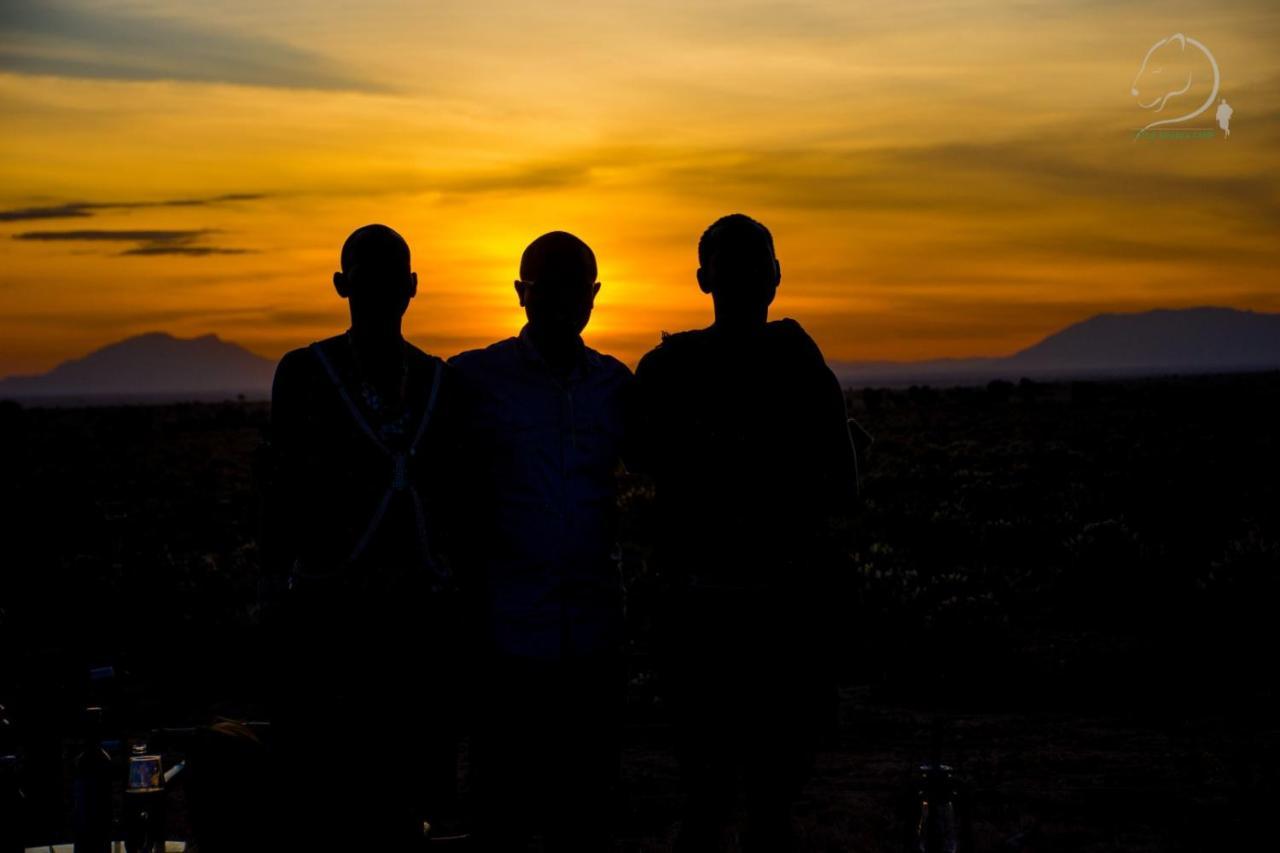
column 542, row 454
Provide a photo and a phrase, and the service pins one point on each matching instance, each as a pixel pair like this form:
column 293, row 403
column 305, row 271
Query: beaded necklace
column 391, row 416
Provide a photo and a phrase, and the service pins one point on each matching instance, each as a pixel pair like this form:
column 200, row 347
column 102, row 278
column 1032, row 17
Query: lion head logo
column 1172, row 68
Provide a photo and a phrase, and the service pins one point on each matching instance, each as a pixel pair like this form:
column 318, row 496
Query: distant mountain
column 154, row 365
column 1190, row 340
column 1195, row 339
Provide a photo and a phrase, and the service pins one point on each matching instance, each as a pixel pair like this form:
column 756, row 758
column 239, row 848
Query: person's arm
column 450, row 471
column 642, row 412
column 839, row 451
column 285, row 468
column 838, row 461
column 464, row 509
column 830, row 444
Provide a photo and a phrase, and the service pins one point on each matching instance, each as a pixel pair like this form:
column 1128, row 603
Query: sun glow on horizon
column 942, row 179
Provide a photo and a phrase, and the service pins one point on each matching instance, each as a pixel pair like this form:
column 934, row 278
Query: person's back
column 334, row 477
column 743, row 428
column 748, row 445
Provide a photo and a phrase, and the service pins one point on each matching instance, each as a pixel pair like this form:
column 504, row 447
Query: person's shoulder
column 423, row 360
column 788, row 329
column 298, row 364
column 293, row 359
column 420, row 355
column 306, row 353
column 481, row 368
column 674, row 348
column 299, row 374
column 791, row 337
column 478, row 359
column 610, row 365
column 677, row 341
column 425, row 366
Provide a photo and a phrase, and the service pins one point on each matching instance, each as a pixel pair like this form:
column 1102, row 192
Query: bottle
column 936, row 818
column 934, row 829
column 91, row 819
column 12, row 817
column 144, row 802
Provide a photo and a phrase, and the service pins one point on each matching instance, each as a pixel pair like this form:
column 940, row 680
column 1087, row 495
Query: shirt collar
column 587, row 357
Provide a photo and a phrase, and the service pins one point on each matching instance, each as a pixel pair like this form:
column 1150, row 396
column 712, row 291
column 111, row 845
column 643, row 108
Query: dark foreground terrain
column 1070, row 587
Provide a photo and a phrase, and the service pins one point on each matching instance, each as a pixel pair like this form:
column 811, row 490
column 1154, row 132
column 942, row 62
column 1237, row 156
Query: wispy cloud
column 148, row 241
column 536, row 176
column 131, row 236
column 58, row 211
column 67, row 39
column 189, row 251
column 82, row 209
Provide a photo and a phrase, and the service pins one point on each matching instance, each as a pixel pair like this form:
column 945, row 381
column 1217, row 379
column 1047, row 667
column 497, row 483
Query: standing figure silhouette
column 544, row 428
column 362, row 435
column 742, row 426
column 1223, row 115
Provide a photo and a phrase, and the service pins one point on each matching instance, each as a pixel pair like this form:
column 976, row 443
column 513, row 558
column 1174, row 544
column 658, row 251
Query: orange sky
column 952, row 178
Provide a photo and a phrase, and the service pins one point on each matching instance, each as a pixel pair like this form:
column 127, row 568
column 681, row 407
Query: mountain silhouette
column 1164, row 341
column 155, row 364
column 1192, row 340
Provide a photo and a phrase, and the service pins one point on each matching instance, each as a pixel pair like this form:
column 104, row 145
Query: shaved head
column 558, row 255
column 376, row 277
column 375, row 248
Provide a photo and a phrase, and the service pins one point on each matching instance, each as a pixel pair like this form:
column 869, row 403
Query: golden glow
column 942, row 179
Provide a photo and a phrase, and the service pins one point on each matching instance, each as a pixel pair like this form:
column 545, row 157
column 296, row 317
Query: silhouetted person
column 360, row 431
column 1223, row 115
column 743, row 429
column 544, row 425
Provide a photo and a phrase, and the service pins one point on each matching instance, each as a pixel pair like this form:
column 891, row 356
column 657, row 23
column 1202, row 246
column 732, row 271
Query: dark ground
column 1074, row 584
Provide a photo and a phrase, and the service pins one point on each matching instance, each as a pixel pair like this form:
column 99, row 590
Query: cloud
column 149, row 241
column 114, row 320
column 63, row 38
column 148, row 236
column 190, row 251
column 527, row 177
column 1005, row 176
column 82, row 209
column 60, row 211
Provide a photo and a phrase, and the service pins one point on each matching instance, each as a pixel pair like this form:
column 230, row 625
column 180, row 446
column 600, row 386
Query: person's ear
column 704, row 280
column 777, row 273
column 340, row 284
column 595, row 290
column 521, row 290
column 413, row 284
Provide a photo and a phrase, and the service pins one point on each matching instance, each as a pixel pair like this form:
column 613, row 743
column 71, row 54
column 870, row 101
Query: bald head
column 558, row 256
column 376, row 278
column 557, row 285
column 375, row 247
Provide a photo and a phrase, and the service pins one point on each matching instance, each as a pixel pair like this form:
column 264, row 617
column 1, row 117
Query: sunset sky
column 942, row 178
